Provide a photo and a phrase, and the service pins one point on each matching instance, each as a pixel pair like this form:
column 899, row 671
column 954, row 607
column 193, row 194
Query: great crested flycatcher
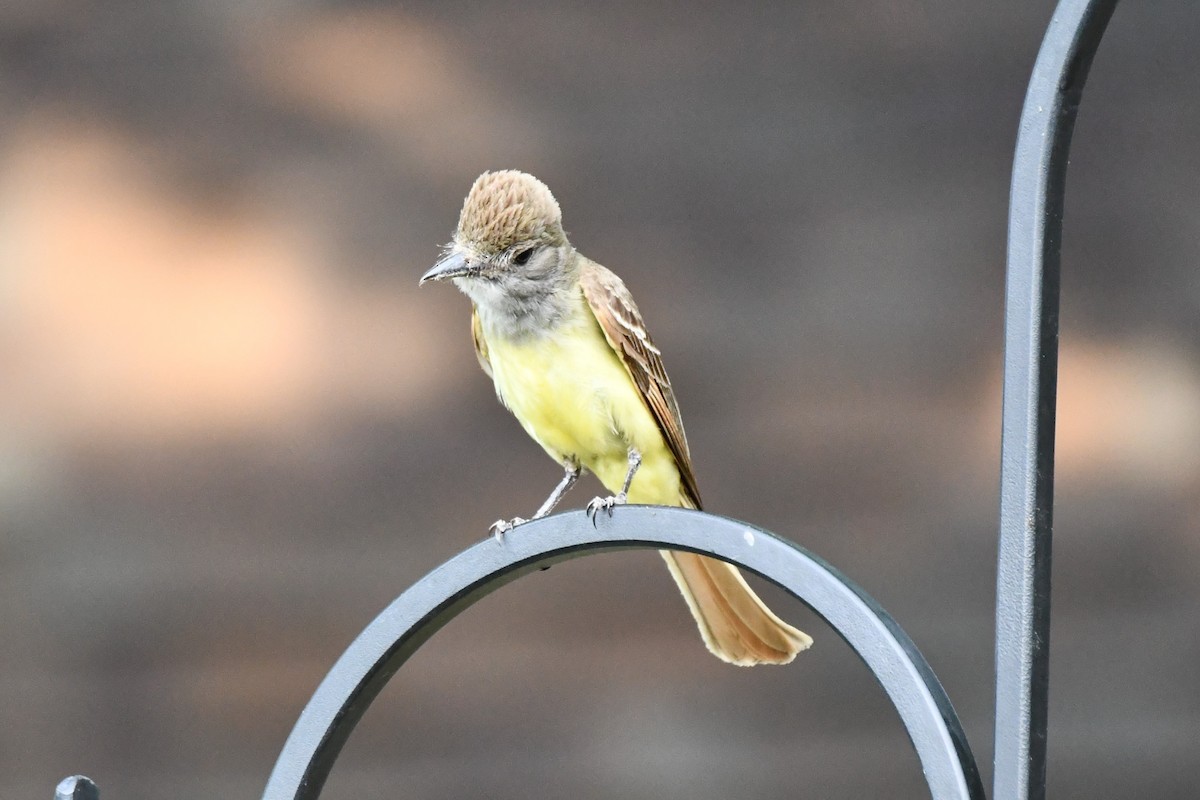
column 565, row 345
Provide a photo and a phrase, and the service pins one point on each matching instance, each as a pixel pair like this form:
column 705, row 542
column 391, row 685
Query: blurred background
column 232, row 429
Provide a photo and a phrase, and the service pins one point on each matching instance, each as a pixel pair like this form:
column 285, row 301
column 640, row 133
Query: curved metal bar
column 411, row 619
column 1030, row 383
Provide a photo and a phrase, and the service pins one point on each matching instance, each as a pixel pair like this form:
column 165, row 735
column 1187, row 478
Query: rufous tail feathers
column 737, row 627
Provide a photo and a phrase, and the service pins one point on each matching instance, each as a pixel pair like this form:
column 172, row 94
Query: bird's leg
column 503, row 526
column 572, row 475
column 607, row 503
column 635, row 461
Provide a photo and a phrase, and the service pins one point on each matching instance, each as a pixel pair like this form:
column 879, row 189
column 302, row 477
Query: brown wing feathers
column 622, row 324
column 735, row 624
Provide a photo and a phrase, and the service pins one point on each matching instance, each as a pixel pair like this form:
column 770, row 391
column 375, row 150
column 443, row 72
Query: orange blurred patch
column 1127, row 412
column 136, row 312
column 130, row 313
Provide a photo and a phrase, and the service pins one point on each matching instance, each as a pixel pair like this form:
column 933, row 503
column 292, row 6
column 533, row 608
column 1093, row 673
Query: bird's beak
column 452, row 266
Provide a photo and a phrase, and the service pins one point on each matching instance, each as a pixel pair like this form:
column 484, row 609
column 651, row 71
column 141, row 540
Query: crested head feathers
column 509, row 208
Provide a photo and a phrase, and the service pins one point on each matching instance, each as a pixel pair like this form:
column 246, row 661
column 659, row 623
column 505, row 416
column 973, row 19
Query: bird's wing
column 622, row 324
column 481, row 350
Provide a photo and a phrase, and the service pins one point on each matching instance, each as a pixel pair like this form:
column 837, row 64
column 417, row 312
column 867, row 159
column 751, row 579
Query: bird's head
column 509, row 240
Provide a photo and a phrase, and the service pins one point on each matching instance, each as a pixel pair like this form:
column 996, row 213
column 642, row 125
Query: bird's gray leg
column 503, row 526
column 572, row 475
column 635, row 461
column 607, row 503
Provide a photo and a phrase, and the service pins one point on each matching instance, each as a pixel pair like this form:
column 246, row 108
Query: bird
column 569, row 355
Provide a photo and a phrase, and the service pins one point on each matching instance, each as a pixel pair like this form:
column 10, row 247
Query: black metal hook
column 411, row 619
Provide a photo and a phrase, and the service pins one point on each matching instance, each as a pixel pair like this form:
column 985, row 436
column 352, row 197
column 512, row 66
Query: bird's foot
column 503, row 526
column 604, row 503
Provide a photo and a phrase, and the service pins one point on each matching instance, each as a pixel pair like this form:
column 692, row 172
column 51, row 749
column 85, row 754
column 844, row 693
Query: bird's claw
column 605, row 503
column 503, row 526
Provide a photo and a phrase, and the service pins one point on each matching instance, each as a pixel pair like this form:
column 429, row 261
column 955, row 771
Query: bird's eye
column 522, row 258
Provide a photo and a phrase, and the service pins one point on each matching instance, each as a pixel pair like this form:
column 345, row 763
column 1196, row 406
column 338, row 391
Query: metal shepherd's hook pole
column 1030, row 383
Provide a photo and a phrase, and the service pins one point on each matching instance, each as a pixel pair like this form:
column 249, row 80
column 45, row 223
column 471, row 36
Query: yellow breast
column 572, row 394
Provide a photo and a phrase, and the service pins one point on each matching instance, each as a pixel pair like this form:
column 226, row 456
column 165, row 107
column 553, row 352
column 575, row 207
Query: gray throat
column 520, row 308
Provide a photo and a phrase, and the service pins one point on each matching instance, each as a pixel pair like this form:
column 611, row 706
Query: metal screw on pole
column 76, row 787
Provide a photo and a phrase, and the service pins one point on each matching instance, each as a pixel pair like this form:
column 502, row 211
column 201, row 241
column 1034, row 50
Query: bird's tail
column 737, row 626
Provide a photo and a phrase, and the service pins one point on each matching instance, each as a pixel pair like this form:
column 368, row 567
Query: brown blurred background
column 232, row 429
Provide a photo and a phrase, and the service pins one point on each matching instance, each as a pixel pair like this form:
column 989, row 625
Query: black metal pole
column 1030, row 384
